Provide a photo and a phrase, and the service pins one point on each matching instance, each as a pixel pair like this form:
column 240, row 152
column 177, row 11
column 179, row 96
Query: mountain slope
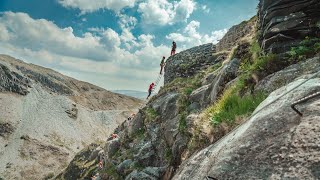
column 46, row 117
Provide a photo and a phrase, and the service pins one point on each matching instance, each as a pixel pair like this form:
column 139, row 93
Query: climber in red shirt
column 150, row 89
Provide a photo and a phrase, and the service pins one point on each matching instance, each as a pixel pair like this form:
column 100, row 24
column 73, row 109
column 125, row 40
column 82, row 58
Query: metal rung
column 303, row 100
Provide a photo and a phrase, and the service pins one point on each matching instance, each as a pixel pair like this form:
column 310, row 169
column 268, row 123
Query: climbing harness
column 258, row 111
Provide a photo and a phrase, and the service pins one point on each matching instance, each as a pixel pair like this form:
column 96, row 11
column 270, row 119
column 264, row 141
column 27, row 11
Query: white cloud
column 205, row 8
column 162, row 12
column 93, row 5
column 191, row 37
column 97, row 52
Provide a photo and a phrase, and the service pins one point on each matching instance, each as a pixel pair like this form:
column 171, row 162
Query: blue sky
column 116, row 44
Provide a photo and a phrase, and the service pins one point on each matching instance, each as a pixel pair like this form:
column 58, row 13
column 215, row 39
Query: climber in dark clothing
column 162, row 64
column 173, row 50
column 150, row 89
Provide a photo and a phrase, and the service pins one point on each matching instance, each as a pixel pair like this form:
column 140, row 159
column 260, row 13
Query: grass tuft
column 230, row 106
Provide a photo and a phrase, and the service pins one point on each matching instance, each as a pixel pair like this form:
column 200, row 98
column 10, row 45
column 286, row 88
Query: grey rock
column 11, row 81
column 95, row 154
column 156, row 172
column 136, row 124
column 6, row 129
column 194, row 107
column 191, row 61
column 235, row 34
column 275, row 142
column 112, row 147
column 124, row 165
column 146, row 155
column 208, row 94
column 284, row 23
column 136, row 175
column 209, row 78
column 166, row 105
column 287, row 75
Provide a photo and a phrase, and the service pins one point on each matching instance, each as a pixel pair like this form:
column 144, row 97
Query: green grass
column 112, row 171
column 306, row 49
column 168, row 154
column 183, row 122
column 231, row 105
column 151, row 114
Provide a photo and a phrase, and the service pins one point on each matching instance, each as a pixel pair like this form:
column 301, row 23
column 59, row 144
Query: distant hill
column 46, row 118
column 136, row 94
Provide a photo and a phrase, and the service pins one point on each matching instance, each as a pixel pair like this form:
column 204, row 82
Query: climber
column 150, row 89
column 114, row 136
column 101, row 164
column 162, row 64
column 173, row 50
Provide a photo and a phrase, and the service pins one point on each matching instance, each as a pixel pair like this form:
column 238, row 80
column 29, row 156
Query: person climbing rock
column 173, row 50
column 150, row 89
column 114, row 136
column 100, row 164
column 162, row 64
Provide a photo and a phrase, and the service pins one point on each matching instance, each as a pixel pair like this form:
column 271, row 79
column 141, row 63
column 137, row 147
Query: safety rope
column 258, row 111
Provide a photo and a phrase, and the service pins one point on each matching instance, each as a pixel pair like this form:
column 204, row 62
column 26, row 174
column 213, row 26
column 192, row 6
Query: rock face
column 210, row 92
column 236, row 34
column 284, row 23
column 45, row 118
column 276, row 143
column 11, row 81
column 189, row 62
column 283, row 77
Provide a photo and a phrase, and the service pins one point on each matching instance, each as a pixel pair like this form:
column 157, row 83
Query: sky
column 115, row 44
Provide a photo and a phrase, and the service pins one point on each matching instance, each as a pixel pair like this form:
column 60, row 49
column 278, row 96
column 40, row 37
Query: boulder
column 124, row 166
column 191, row 61
column 284, row 23
column 208, row 94
column 136, row 124
column 95, row 154
column 146, row 155
column 236, row 34
column 149, row 173
column 11, row 81
column 166, row 105
column 275, row 143
column 287, row 75
column 112, row 147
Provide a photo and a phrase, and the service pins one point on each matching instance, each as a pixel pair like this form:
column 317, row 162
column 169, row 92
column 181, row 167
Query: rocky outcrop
column 6, row 129
column 276, row 143
column 236, row 34
column 284, row 23
column 11, row 81
column 190, row 62
column 58, row 114
column 287, row 75
column 215, row 84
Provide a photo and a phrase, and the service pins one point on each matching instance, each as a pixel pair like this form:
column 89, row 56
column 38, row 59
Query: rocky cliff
column 284, row 23
column 191, row 61
column 46, row 118
column 223, row 114
column 237, row 33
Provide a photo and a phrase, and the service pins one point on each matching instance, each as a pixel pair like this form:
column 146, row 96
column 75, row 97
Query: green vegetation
column 306, row 49
column 168, row 154
column 183, row 122
column 151, row 114
column 230, row 106
column 111, row 170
